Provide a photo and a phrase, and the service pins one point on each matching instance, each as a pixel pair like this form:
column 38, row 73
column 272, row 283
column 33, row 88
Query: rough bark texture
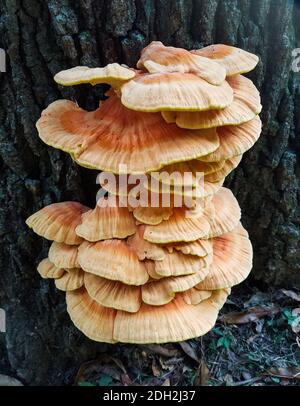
column 42, row 37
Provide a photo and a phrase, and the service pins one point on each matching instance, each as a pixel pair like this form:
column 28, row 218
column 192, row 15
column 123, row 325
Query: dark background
column 42, row 37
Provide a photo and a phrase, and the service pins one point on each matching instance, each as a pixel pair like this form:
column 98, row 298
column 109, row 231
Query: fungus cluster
column 139, row 273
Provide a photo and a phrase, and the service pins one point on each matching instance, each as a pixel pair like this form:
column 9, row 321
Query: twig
column 240, row 383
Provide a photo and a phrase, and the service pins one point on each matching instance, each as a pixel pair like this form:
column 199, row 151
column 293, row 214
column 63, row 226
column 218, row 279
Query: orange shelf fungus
column 113, row 74
column 105, row 222
column 57, row 222
column 72, row 279
column 155, row 258
column 234, row 60
column 113, row 134
column 47, row 270
column 157, row 58
column 245, row 106
column 153, row 92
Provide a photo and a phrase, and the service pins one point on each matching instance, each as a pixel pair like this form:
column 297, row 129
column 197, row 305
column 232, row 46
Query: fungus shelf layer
column 155, row 259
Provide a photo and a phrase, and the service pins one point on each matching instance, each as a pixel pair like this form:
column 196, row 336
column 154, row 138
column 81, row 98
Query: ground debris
column 252, row 314
column 286, row 373
column 254, row 343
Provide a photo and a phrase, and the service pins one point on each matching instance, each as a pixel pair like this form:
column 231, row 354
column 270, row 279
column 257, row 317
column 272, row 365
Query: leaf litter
column 255, row 343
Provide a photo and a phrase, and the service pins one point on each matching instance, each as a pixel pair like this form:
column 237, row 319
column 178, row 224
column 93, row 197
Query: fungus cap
column 47, row 270
column 180, row 227
column 229, row 165
column 152, row 215
column 235, row 140
column 113, row 74
column 234, row 60
column 57, row 222
column 232, row 260
column 175, row 321
column 163, row 290
column 106, row 222
column 245, row 106
column 145, row 249
column 113, row 135
column 94, row 320
column 72, row 279
column 191, row 187
column 63, row 255
column 153, row 207
column 227, row 213
column 114, row 260
column 157, row 58
column 187, row 173
column 174, row 91
column 113, row 294
column 194, row 296
column 200, row 248
column 177, row 264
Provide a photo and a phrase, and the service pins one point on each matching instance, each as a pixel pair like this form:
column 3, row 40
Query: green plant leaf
column 224, row 342
column 86, row 383
column 218, row 331
column 105, row 380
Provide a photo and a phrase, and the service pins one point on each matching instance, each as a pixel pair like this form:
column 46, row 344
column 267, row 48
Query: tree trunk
column 41, row 346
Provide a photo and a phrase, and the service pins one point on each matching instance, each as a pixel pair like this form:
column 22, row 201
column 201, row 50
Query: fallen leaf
column 166, row 382
column 105, row 365
column 251, row 381
column 228, row 379
column 166, row 366
column 232, row 357
column 126, row 381
column 257, row 299
column 109, row 370
column 155, row 369
column 286, row 373
column 284, row 382
column 186, row 369
column 249, row 315
column 189, row 350
column 173, row 361
column 252, row 338
column 259, row 324
column 246, row 375
column 204, row 374
column 160, row 350
column 290, row 293
column 6, row 380
column 119, row 363
column 296, row 323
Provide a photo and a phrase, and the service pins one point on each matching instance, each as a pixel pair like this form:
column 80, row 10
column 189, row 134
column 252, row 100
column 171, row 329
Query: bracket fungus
column 234, row 60
column 137, row 271
column 157, row 58
column 113, row 74
column 244, row 107
column 174, row 91
column 113, row 134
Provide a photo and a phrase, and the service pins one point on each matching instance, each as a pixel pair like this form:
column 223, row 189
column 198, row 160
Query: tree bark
column 41, row 346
